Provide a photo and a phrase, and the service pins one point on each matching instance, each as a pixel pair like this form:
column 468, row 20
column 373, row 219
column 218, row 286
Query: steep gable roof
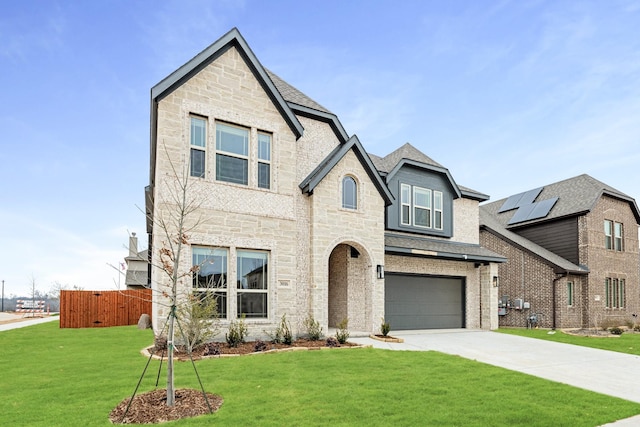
column 303, row 105
column 389, row 165
column 574, row 196
column 317, row 175
column 293, row 95
column 407, row 151
column 232, row 39
column 559, row 264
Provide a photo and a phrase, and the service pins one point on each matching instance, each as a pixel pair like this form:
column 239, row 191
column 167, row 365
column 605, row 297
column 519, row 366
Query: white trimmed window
column 209, row 266
column 198, row 145
column 421, row 207
column 232, row 154
column 405, row 204
column 614, row 293
column 618, row 237
column 437, row 210
column 613, row 235
column 264, row 160
column 349, row 193
column 252, row 283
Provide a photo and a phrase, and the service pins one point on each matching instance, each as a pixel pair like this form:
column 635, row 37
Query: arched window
column 349, row 193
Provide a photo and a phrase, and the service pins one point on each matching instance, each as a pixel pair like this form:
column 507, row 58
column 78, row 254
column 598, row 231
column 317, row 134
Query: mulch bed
column 249, row 347
column 151, row 407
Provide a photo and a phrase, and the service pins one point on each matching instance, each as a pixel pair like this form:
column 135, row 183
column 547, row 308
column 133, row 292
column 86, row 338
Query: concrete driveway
column 606, row 372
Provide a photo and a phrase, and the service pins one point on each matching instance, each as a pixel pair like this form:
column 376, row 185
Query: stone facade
column 322, row 258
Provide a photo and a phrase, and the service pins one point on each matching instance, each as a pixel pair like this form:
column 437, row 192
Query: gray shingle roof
column 422, row 246
column 293, row 95
column 577, row 195
column 489, row 222
column 407, row 151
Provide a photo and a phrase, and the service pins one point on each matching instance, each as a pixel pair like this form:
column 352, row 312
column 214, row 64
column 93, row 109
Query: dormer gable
column 320, row 172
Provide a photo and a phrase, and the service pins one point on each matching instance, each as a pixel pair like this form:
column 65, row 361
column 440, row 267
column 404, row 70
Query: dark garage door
column 424, row 302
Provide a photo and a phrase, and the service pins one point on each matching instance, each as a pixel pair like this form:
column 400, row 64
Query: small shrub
column 332, row 342
column 385, row 328
column 616, row 330
column 636, row 328
column 282, row 334
column 260, row 346
column 160, row 343
column 314, row 330
column 212, row 349
column 237, row 332
column 342, row 334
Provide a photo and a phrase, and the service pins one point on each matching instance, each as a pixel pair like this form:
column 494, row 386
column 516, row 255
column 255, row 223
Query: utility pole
column 3, row 295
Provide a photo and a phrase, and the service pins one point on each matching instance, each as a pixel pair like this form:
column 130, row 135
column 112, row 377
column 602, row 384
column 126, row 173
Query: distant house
column 137, row 275
column 299, row 219
column 572, row 250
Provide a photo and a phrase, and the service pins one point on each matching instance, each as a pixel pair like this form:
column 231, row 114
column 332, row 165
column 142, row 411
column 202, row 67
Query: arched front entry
column 349, row 287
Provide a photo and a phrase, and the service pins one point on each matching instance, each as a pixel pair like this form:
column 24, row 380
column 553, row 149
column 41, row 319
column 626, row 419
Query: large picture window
column 252, row 283
column 232, row 154
column 209, row 266
column 198, row 153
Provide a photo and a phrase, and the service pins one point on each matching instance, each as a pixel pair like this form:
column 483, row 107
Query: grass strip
column 74, row 377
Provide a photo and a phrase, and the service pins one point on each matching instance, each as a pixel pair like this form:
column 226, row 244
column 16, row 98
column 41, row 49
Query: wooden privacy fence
column 90, row 309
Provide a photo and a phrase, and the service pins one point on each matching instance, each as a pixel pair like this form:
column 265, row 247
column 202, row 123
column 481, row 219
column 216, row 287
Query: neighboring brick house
column 572, row 250
column 293, row 208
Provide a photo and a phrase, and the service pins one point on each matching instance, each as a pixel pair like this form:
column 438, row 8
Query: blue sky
column 509, row 95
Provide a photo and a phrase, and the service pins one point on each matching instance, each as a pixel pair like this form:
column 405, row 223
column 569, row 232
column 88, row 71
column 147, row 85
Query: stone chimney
column 133, row 245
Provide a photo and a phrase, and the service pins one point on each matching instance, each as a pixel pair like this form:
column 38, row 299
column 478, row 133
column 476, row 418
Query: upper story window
column 405, row 204
column 349, row 193
column 421, row 207
column 613, row 235
column 198, row 143
column 264, row 160
column 232, row 154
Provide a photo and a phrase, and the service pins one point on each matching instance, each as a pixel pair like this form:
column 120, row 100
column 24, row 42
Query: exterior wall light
column 380, row 271
column 496, row 281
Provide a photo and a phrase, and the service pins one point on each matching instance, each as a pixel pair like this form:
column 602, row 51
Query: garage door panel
column 424, row 302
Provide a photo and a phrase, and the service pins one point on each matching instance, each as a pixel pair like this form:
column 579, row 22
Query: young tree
column 175, row 217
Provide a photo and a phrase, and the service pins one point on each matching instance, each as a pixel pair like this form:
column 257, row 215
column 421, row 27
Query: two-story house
column 296, row 219
column 572, row 250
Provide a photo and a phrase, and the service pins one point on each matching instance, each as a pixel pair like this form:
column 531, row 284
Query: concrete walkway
column 606, row 372
column 14, row 321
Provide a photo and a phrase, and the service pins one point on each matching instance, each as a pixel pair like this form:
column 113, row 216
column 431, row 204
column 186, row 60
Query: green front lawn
column 625, row 343
column 74, row 377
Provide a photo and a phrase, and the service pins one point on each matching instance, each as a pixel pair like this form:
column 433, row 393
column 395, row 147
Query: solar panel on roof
column 542, row 208
column 533, row 211
column 522, row 214
column 520, row 199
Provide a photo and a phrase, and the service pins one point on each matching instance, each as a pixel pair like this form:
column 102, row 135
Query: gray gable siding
column 421, row 178
column 559, row 237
